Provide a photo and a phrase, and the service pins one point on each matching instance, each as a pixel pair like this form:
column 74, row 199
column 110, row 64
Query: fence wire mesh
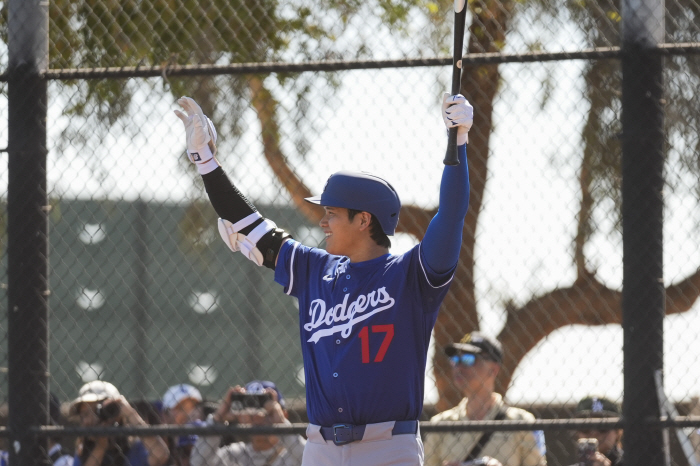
column 145, row 295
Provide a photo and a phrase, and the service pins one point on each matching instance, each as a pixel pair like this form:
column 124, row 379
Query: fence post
column 27, row 213
column 643, row 295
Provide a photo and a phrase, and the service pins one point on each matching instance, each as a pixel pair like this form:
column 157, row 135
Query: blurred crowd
column 100, row 404
column 258, row 403
column 475, row 361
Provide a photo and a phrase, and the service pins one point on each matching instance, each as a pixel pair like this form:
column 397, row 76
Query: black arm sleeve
column 231, row 205
column 228, row 202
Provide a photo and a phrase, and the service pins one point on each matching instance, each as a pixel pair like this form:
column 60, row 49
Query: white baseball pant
column 378, row 447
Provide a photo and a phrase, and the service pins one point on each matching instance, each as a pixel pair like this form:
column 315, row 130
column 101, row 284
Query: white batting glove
column 458, row 113
column 199, row 130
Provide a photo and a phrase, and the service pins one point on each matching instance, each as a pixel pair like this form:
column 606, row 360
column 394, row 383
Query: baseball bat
column 460, row 8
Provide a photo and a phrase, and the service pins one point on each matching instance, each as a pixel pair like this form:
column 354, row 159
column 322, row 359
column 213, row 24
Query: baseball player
column 365, row 315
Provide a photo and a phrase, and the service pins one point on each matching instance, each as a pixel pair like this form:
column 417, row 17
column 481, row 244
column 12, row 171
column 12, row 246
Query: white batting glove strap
column 201, row 155
column 457, row 112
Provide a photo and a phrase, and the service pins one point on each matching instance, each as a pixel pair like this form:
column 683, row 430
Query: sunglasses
column 466, row 359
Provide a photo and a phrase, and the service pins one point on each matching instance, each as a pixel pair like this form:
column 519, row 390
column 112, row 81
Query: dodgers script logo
column 375, row 301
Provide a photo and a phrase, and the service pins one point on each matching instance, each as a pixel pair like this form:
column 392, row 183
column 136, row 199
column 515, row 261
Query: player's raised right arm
column 240, row 224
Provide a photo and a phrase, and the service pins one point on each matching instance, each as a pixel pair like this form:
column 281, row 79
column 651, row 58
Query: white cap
column 97, row 390
column 177, row 393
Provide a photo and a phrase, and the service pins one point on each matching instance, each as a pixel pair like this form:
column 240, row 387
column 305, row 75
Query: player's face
column 342, row 234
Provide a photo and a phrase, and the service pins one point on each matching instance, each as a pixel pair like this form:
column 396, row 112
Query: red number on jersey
column 364, row 337
column 388, row 330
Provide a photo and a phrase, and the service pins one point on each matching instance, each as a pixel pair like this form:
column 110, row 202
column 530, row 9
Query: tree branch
column 586, row 302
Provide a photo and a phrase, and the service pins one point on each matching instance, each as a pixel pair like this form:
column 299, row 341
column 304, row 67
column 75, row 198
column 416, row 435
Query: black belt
column 342, row 434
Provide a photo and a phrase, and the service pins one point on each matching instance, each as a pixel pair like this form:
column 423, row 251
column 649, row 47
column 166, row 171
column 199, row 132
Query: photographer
column 100, row 404
column 476, row 361
column 606, row 443
column 260, row 403
column 182, row 405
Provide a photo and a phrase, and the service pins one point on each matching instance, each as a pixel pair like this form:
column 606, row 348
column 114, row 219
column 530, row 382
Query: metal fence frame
column 643, row 293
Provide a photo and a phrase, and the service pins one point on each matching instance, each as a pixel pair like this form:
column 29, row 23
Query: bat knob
column 451, row 156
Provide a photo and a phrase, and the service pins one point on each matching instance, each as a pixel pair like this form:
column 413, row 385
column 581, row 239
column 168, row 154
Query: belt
column 342, row 434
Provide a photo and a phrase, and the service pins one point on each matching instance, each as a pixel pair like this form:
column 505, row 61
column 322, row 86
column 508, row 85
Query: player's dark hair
column 375, row 229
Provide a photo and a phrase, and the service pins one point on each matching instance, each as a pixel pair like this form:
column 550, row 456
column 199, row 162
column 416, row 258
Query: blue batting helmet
column 365, row 192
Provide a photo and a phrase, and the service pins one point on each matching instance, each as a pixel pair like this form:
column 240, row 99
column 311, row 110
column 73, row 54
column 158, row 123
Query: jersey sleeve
column 299, row 267
column 284, row 270
column 443, row 238
column 435, row 279
column 431, row 286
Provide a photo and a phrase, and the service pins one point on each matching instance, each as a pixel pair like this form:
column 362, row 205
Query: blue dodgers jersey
column 365, row 329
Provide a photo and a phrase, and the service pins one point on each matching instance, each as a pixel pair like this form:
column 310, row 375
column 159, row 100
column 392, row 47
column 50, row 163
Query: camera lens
column 105, row 412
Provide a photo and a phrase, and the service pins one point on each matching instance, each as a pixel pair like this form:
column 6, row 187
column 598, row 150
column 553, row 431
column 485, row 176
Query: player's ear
column 365, row 219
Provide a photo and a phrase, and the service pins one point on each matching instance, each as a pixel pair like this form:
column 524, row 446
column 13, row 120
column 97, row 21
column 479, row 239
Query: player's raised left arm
column 240, row 224
column 443, row 238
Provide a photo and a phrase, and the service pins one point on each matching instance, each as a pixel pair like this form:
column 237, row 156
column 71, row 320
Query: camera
column 249, row 400
column 108, row 411
column 587, row 448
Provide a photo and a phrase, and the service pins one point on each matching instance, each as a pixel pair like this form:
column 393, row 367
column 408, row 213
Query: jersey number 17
column 387, row 330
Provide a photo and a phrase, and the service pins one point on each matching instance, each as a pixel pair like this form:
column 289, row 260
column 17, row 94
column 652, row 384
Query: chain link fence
column 144, row 294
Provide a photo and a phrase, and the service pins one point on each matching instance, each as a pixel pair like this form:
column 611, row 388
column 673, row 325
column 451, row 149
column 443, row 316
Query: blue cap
column 365, row 192
column 178, row 393
column 257, row 387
